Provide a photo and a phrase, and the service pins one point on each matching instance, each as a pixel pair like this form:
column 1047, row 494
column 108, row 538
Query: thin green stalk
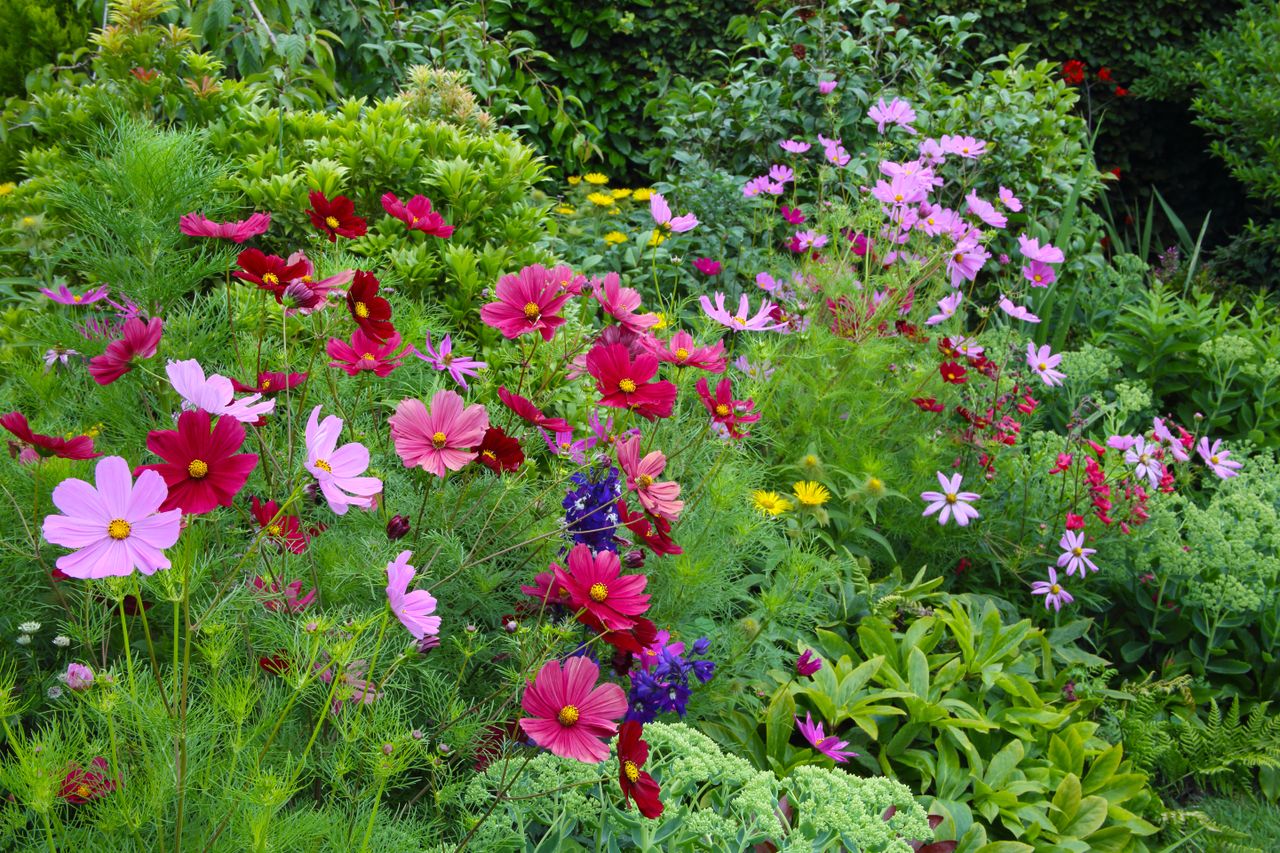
column 151, row 649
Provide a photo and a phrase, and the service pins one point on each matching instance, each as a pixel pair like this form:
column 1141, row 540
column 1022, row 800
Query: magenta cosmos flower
column 595, row 583
column 947, row 307
column 661, row 213
column 418, row 215
column 195, row 225
column 621, row 303
column 1044, row 362
column 138, row 339
column 1039, row 274
column 338, row 470
column 897, row 112
column 203, row 469
column 569, row 713
column 438, row 440
column 413, row 609
column 78, row 677
column 1017, row 312
column 459, row 366
column 658, row 498
column 1033, row 251
column 1074, row 556
column 682, row 351
column 742, row 320
column 64, row 296
column 116, row 527
column 807, row 664
column 794, row 146
column 215, row 395
column 826, row 87
column 1054, row 593
column 828, row 745
column 1216, row 458
column 527, row 302
column 708, row 266
column 951, row 501
column 363, row 353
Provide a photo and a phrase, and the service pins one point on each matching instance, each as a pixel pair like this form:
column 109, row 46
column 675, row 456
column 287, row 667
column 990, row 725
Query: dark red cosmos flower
column 269, row 272
column 276, row 664
column 652, row 531
column 290, row 597
column 80, row 786
column 1104, row 74
column 271, row 382
column 138, row 339
column 632, row 641
column 371, row 312
column 724, row 409
column 1073, row 72
column 928, row 404
column 498, row 451
column 286, row 530
column 633, row 752
column 336, row 217
column 531, row 413
column 625, row 384
column 952, row 373
column 203, row 470
column 1121, row 91
column 80, row 447
column 417, row 214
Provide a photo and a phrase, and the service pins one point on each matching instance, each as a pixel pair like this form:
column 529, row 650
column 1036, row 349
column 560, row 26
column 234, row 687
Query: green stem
column 377, row 801
column 151, row 649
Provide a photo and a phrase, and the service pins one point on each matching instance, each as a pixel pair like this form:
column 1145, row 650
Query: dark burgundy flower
column 952, row 373
column 276, row 664
column 80, row 447
column 531, row 413
column 398, row 527
column 335, row 218
column 202, row 469
column 371, row 312
column 269, row 272
column 652, row 531
column 498, row 451
column 636, row 784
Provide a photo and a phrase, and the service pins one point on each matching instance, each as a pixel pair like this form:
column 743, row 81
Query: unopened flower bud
column 397, row 527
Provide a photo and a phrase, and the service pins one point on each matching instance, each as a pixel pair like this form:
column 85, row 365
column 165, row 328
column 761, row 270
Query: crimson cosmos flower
column 371, row 312
column 595, row 583
column 652, row 531
column 633, row 752
column 635, row 639
column 203, row 470
column 271, row 382
column 625, row 384
column 417, row 214
column 498, row 451
column 269, row 272
column 80, row 447
column 138, row 339
column 362, row 353
column 335, row 218
column 531, row 413
column 80, row 786
column 286, row 530
column 724, row 409
column 952, row 373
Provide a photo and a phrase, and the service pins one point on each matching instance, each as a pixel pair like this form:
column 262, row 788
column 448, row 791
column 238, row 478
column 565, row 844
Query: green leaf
column 1090, row 817
column 1066, row 801
column 779, row 724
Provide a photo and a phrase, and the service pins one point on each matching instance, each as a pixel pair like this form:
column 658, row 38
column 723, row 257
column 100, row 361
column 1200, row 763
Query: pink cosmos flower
column 621, row 303
column 1044, row 362
column 1142, row 456
column 682, row 351
column 1017, row 312
column 305, row 292
column 781, row 174
column 762, row 184
column 1217, row 460
column 78, row 677
column 707, row 266
column 562, row 444
column 290, row 597
column 836, row 154
column 658, row 498
column 1175, row 445
column 901, row 189
column 830, row 746
column 897, row 112
column 947, row 307
column 1074, row 556
column 739, row 322
column 195, row 225
column 1053, row 592
column 215, row 395
column 793, row 146
column 937, row 220
column 1039, row 274
column 1009, row 200
column 64, row 296
column 966, row 259
column 951, row 501
column 363, row 353
column 459, row 366
column 986, row 211
column 792, row 215
column 115, row 527
column 1033, row 251
column 337, row 469
column 661, row 212
column 413, row 609
column 931, row 150
column 826, row 87
column 527, row 302
column 138, row 339
column 611, row 601
column 57, row 354
column 963, row 146
column 810, row 240
column 438, row 440
column 417, row 214
column 569, row 713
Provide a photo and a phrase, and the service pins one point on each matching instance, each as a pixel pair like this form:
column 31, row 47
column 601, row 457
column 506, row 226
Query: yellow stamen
column 598, row 592
column 362, row 310
column 275, row 529
column 632, row 771
column 270, row 278
column 644, row 481
column 682, row 354
column 531, row 310
column 198, row 469
column 626, row 386
column 951, row 497
column 568, row 715
column 119, row 529
column 722, row 410
column 438, row 440
column 331, row 221
column 324, row 466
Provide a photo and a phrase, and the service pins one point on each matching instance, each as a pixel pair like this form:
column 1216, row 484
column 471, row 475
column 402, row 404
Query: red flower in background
column 653, row 532
column 625, row 384
column 724, row 409
column 286, row 530
column 1121, row 91
column 636, row 784
column 498, row 451
column 271, row 382
column 1073, row 72
column 531, row 413
column 371, row 312
column 268, row 272
column 203, row 470
column 80, row 447
column 952, row 373
column 1104, row 74
column 80, row 786
column 335, row 218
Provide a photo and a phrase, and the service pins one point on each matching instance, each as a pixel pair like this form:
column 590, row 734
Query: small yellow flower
column 656, row 238
column 28, row 221
column 621, row 192
column 10, row 186
column 810, row 461
column 574, row 180
column 770, row 503
column 613, row 238
column 595, row 178
column 811, row 494
column 875, row 487
column 601, row 199
column 662, row 321
column 642, row 194
column 565, row 210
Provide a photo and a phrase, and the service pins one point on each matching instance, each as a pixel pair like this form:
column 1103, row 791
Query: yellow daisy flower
column 875, row 487
column 621, row 192
column 662, row 321
column 565, row 210
column 10, row 186
column 601, row 199
column 574, row 180
column 811, row 494
column 770, row 503
column 642, row 194
column 595, row 178
column 613, row 238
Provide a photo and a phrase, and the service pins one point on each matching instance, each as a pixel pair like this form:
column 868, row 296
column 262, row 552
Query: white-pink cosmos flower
column 947, row 307
column 1145, row 464
column 950, row 502
column 1054, row 593
column 214, row 394
column 897, row 112
column 1017, row 312
column 1216, row 458
column 661, row 212
column 413, row 609
column 338, row 470
column 1074, row 556
column 741, row 321
column 1044, row 362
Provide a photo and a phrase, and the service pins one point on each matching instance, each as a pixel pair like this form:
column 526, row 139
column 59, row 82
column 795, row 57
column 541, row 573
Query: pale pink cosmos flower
column 115, row 525
column 810, row 240
column 901, row 189
column 794, row 146
column 1143, row 459
column 826, row 87
column 621, row 303
column 938, row 220
column 897, row 112
column 986, row 211
column 1044, row 362
column 661, row 213
column 965, row 260
column 1162, row 434
column 931, row 150
column 837, row 155
column 215, row 395
column 1216, row 458
column 1017, row 312
column 829, row 745
column 64, row 296
column 1039, row 274
column 1074, row 556
column 438, row 440
column 413, row 609
column 766, row 282
column 1009, row 200
column 740, row 321
column 459, row 366
column 967, row 346
column 659, row 498
column 57, row 354
column 781, row 174
column 195, row 225
column 1033, row 251
column 963, row 146
column 951, row 501
column 338, row 470
column 1053, row 592
column 947, row 307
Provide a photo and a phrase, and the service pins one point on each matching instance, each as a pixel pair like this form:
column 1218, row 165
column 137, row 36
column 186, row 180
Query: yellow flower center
column 644, row 481
column 271, row 279
column 307, row 279
column 84, row 791
column 568, row 715
column 598, row 592
column 324, row 466
column 875, row 484
column 1144, row 458
column 1037, row 277
column 898, row 197
column 76, row 298
column 198, row 469
column 1042, row 366
column 950, row 497
column 531, row 310
column 118, row 529
column 331, row 221
column 627, row 386
column 1214, row 459
column 1055, row 589
column 275, row 529
column 362, row 310
column 682, row 354
column 741, row 321
column 632, row 771
column 438, row 440
column 489, row 454
column 266, row 383
column 1077, row 551
column 722, row 410
column 369, row 357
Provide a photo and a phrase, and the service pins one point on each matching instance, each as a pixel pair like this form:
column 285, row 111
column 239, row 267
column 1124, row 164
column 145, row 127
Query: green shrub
column 34, row 32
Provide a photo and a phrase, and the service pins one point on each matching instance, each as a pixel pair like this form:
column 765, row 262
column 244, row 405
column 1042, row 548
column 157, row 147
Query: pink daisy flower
column 794, row 146
column 1142, row 456
column 661, row 213
column 947, row 307
column 621, row 303
column 963, row 146
column 1216, row 458
column 115, row 525
column 683, row 352
column 1017, row 312
column 658, row 498
column 828, row 745
column 215, row 395
column 413, row 609
column 1044, row 362
column 1033, row 251
column 986, row 211
column 569, row 713
column 966, row 259
column 527, row 302
column 64, row 296
column 951, row 501
column 741, row 321
column 195, row 225
column 897, row 112
column 138, row 339
column 1009, row 200
column 1074, row 556
column 611, row 601
column 363, row 353
column 338, row 470
column 459, row 366
column 1039, row 274
column 438, row 440
column 826, row 87
column 1053, row 592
